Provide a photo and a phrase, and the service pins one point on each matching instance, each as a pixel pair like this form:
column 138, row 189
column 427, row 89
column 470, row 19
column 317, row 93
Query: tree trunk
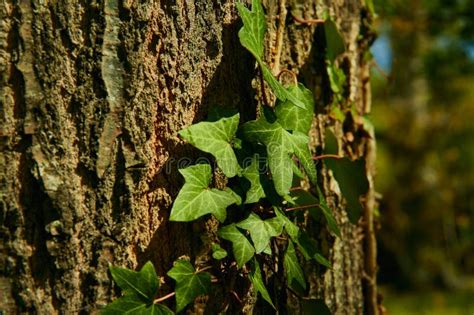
column 92, row 96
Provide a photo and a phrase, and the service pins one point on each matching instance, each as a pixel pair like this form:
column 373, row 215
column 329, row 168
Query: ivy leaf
column 292, row 267
column 315, row 306
column 218, row 252
column 350, row 176
column 257, row 281
column 306, row 245
column 252, row 34
column 130, row 304
column 142, row 284
column 196, row 199
column 334, row 40
column 296, row 118
column 252, row 173
column 301, row 150
column 216, row 138
column 242, row 249
column 292, row 229
column 280, row 145
column 352, row 180
column 331, row 221
column 309, row 249
column 337, row 77
column 282, row 93
column 261, row 231
column 189, row 283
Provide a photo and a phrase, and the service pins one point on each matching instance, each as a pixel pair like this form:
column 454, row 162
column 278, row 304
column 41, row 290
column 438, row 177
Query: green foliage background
column 423, row 115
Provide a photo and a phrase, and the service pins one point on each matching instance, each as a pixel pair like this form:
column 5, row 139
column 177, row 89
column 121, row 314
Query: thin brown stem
column 307, row 21
column 293, row 75
column 327, row 156
column 296, row 188
column 382, row 73
column 234, row 294
column 163, row 298
column 264, row 93
column 279, row 37
column 279, row 280
column 203, row 269
column 302, row 207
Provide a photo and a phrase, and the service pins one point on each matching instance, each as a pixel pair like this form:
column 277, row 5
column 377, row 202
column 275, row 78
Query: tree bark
column 92, row 96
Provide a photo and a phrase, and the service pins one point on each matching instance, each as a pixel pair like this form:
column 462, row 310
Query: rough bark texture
column 92, row 96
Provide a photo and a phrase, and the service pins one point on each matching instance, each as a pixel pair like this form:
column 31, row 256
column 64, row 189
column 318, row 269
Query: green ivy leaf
column 242, row 249
column 261, row 231
column 334, row 40
column 131, row 305
column 282, row 93
column 189, row 283
column 315, row 306
column 196, row 199
column 292, row 229
column 216, row 138
column 252, row 173
column 292, row 267
column 142, row 284
column 280, row 145
column 218, row 252
column 306, row 245
column 301, row 150
column 257, row 281
column 331, row 221
column 296, row 118
column 309, row 249
column 252, row 34
column 337, row 78
column 350, row 175
column 352, row 180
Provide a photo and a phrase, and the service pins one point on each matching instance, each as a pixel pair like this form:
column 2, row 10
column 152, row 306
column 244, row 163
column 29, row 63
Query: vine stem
column 302, row 207
column 203, row 269
column 307, row 21
column 327, row 156
column 264, row 93
column 295, row 78
column 277, row 49
column 163, row 298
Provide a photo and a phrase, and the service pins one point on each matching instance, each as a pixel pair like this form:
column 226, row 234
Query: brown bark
column 92, row 97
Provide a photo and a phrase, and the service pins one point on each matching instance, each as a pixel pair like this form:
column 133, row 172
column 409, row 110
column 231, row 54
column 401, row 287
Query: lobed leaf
column 252, row 34
column 189, row 283
column 280, row 145
column 257, row 281
column 261, row 231
column 252, row 173
column 296, row 118
column 142, row 284
column 292, row 267
column 196, row 199
column 331, row 221
column 282, row 93
column 352, row 180
column 334, row 41
column 242, row 249
column 216, row 138
column 131, row 305
column 218, row 252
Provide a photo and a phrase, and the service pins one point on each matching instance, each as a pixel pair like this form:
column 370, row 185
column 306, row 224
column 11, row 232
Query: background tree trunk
column 92, row 96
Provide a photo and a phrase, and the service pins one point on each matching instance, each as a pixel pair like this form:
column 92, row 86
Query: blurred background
column 423, row 113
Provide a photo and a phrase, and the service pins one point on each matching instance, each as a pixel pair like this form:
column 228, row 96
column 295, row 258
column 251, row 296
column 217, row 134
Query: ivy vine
column 265, row 156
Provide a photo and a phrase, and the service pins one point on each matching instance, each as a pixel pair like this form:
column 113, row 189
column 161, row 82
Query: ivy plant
column 276, row 154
